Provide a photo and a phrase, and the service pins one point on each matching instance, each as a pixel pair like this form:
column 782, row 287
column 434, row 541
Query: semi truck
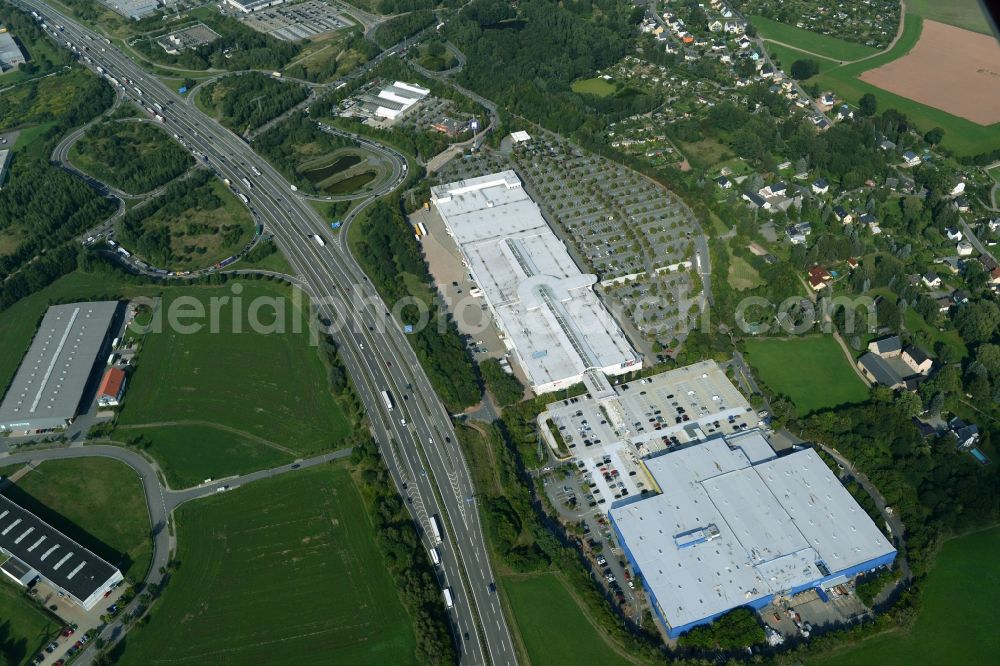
column 448, row 601
column 243, row 198
column 435, row 556
column 246, row 181
column 387, row 399
column 435, row 530
column 255, row 170
column 319, row 240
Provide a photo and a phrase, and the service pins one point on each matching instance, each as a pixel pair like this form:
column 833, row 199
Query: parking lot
column 453, row 282
column 81, row 622
column 434, row 111
column 293, row 23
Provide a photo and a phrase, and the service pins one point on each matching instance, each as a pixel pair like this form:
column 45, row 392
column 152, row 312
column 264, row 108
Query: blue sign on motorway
column 408, row 328
column 182, row 89
column 336, row 225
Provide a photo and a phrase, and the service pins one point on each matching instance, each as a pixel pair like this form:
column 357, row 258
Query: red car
column 68, row 631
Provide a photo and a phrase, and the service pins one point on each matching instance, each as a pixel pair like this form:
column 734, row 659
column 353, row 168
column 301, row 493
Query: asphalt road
column 423, row 452
column 161, row 501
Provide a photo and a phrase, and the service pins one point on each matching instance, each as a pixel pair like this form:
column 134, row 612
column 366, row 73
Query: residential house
column 953, row 233
column 888, row 364
column 828, row 99
column 993, row 225
column 931, row 280
column 887, row 145
column 844, row 113
column 795, row 235
column 819, row 277
column 756, row 200
column 911, row 158
column 724, row 182
column 715, row 25
column 960, row 296
column 966, row 434
column 767, row 71
column 995, row 277
column 820, row 186
column 918, row 360
column 734, row 26
column 964, row 249
column 962, row 204
column 945, row 303
column 775, row 190
column 852, row 263
column 867, row 219
column 842, row 215
column 743, row 43
column 958, row 189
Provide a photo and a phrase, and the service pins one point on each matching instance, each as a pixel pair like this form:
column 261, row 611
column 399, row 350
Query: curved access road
column 161, row 501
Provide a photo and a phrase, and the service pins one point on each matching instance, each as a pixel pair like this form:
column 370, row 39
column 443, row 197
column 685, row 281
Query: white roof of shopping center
column 725, row 532
column 542, row 301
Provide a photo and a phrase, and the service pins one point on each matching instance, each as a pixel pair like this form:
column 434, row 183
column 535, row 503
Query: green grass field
column 785, row 56
column 742, row 275
column 130, row 155
column 822, row 45
column 956, row 624
column 97, row 501
column 24, row 627
column 811, row 371
column 596, row 86
column 189, row 454
column 554, row 629
column 284, row 571
column 706, row 153
column 962, row 136
column 264, row 386
column 994, row 173
column 966, row 14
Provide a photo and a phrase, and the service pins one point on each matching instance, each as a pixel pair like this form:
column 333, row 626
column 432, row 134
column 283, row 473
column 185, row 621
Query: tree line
column 404, row 556
column 386, row 251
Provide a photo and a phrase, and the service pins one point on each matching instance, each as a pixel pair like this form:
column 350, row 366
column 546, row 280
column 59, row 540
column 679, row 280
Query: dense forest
column 399, row 28
column 247, row 101
column 40, row 204
column 525, row 59
column 134, row 157
column 387, row 251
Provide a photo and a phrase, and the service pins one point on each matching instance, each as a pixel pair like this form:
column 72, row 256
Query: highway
column 416, row 438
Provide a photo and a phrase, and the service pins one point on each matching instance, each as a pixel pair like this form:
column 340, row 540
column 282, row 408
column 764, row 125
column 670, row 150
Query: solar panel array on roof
column 49, row 384
column 61, row 561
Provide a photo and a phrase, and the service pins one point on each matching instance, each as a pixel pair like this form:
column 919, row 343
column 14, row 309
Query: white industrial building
column 546, row 309
column 395, row 99
column 47, row 390
column 134, row 9
column 250, row 6
column 36, row 550
column 732, row 524
column 10, row 52
column 4, row 165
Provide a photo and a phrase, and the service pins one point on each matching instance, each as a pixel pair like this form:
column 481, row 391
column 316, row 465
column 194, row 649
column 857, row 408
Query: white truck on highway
column 246, row 181
column 448, row 601
column 435, row 556
column 255, row 170
column 387, row 399
column 243, row 198
column 435, row 530
column 319, row 240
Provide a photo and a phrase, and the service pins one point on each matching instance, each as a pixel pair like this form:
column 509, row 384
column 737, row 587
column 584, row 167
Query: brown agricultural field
column 955, row 70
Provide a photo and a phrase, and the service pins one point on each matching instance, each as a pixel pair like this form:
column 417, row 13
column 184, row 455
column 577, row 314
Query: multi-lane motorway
column 416, row 437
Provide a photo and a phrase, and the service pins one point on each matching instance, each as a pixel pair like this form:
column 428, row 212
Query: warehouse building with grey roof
column 734, row 524
column 54, row 375
column 36, row 550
